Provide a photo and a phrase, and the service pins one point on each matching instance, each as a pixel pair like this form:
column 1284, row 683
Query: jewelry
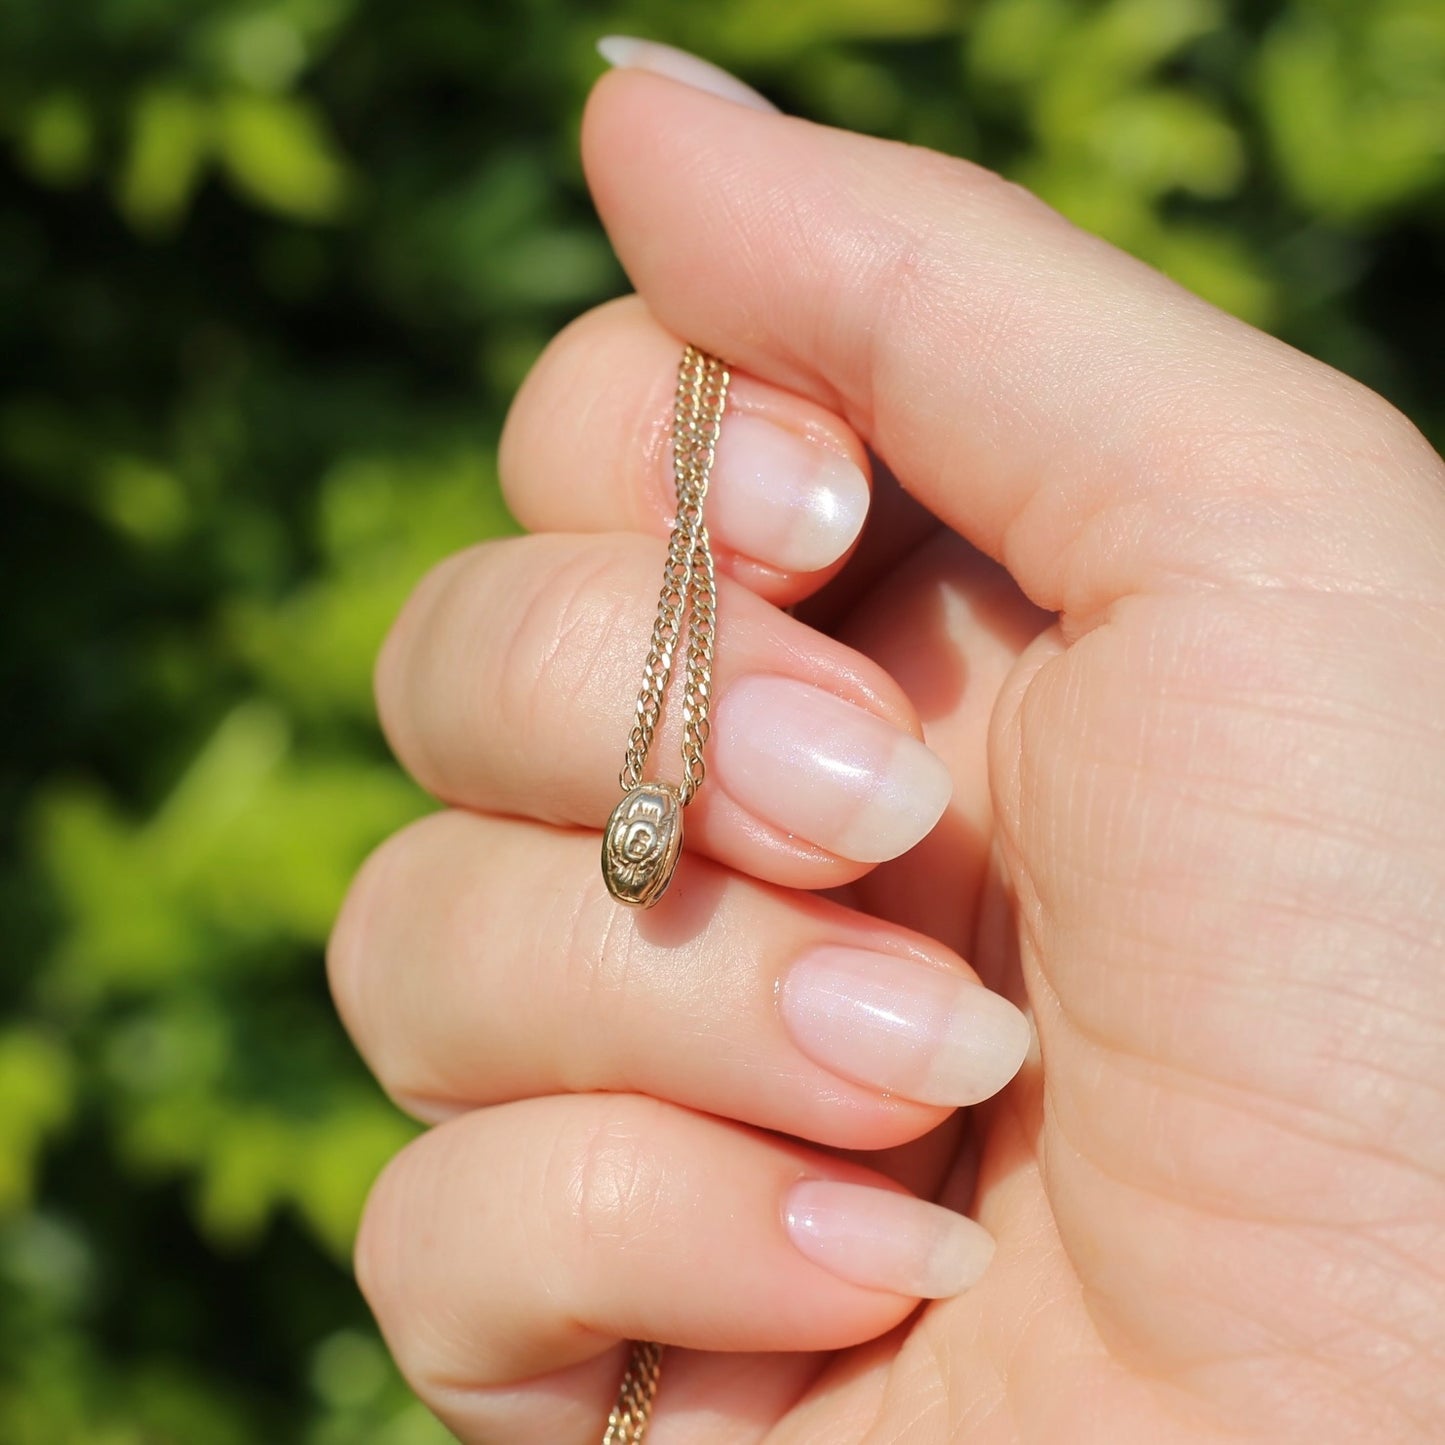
column 644, row 834
column 632, row 1413
column 643, row 838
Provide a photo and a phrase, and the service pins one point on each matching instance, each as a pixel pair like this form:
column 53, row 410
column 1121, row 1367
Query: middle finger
column 509, row 684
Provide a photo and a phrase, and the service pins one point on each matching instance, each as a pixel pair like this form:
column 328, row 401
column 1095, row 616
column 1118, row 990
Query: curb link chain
column 632, row 1413
column 688, row 581
column 688, row 602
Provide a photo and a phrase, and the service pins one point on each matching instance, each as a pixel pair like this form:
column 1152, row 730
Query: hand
column 1196, row 739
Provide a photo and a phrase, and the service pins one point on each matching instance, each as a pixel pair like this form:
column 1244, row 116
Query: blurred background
column 269, row 272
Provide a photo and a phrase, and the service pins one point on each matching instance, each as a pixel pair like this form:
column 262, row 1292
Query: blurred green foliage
column 269, row 271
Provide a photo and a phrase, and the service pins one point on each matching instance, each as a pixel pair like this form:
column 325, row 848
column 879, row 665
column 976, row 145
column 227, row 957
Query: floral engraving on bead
column 641, row 844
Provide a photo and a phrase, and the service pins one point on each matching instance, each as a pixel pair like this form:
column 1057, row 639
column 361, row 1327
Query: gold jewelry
column 632, row 1413
column 644, row 834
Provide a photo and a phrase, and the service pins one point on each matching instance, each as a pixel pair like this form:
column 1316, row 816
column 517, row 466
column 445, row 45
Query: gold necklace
column 643, row 838
column 644, row 834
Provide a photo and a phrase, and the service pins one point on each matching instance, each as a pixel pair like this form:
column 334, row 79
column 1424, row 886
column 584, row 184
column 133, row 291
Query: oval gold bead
column 641, row 844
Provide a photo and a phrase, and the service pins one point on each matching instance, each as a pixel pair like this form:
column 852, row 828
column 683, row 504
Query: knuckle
column 616, row 1184
column 917, row 273
column 347, row 951
column 411, row 646
column 563, row 629
column 534, row 409
column 403, row 1265
column 592, row 350
column 379, row 1255
column 599, row 966
column 362, row 968
column 493, row 656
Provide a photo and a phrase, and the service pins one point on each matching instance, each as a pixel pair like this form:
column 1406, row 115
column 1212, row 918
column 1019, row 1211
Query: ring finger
column 479, row 960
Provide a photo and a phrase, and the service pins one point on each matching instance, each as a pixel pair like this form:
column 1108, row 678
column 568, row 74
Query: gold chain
column 631, row 1415
column 687, row 579
column 643, row 838
column 644, row 834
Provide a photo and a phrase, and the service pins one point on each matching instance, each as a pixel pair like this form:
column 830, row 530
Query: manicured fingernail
column 899, row 1025
column 784, row 500
column 885, row 1240
column 826, row 771
column 626, row 52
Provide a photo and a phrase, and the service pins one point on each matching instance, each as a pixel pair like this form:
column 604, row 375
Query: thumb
column 1067, row 409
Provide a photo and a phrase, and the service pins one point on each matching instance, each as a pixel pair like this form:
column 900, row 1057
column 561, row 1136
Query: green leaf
column 169, row 143
column 57, row 139
column 279, row 151
column 37, row 1088
column 1163, row 140
column 1355, row 107
column 763, row 28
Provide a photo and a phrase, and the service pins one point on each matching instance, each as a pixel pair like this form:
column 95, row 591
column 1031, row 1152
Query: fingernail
column 826, row 771
column 899, row 1025
column 627, row 52
column 885, row 1240
column 784, row 500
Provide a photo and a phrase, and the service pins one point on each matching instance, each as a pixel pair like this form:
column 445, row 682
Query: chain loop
column 689, row 588
column 643, row 836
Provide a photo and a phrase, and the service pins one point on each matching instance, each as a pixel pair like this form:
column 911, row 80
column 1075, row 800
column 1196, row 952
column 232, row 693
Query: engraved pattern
column 641, row 843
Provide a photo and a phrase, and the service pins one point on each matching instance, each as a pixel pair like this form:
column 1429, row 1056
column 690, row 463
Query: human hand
column 1196, row 815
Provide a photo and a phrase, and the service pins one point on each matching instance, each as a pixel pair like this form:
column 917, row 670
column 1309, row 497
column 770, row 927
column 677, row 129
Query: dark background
column 269, row 273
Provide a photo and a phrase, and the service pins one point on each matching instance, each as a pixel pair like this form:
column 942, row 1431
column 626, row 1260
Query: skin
column 1168, row 598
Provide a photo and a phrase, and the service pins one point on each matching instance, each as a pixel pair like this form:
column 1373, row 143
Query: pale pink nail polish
column 881, row 1239
column 825, row 770
column 782, row 499
column 627, row 52
column 902, row 1026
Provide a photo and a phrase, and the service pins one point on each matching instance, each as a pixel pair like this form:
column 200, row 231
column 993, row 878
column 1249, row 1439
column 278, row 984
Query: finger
column 515, row 1242
column 509, row 683
column 950, row 627
column 587, row 448
column 708, row 1399
column 1066, row 408
column 479, row 960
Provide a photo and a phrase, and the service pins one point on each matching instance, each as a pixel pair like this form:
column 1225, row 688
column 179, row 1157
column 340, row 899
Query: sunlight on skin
column 1194, row 824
